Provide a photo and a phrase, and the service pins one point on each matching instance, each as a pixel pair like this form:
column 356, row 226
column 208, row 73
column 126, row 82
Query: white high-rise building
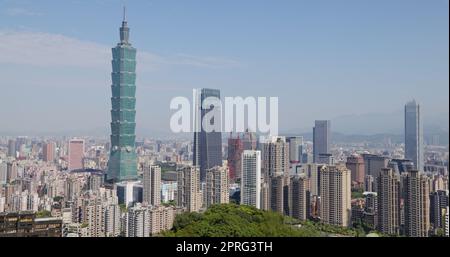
column 112, row 220
column 189, row 195
column 251, row 178
column 138, row 220
column 217, row 186
column 168, row 191
column 152, row 185
column 145, row 221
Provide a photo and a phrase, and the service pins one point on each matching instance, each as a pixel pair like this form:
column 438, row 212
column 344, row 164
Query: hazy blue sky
column 323, row 59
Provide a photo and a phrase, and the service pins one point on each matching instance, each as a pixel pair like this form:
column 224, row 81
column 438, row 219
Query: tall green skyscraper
column 122, row 163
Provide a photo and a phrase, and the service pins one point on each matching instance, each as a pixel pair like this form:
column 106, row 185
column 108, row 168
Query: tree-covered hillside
column 231, row 220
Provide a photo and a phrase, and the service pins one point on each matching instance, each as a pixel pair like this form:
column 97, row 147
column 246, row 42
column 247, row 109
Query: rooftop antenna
column 124, row 13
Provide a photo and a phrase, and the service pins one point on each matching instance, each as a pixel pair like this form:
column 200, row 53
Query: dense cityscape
column 124, row 186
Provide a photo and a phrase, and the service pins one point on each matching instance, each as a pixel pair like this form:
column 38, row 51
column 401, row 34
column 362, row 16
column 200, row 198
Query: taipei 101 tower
column 122, row 164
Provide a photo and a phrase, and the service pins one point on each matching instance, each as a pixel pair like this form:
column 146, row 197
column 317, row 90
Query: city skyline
column 205, row 62
column 213, row 180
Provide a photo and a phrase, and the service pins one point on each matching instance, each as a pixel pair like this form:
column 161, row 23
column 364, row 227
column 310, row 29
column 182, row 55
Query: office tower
column 207, row 145
column 295, row 148
column 188, row 193
column 129, row 192
column 388, row 193
column 275, row 156
column 355, row 164
column 152, row 185
column 76, row 154
column 417, row 204
column 321, row 138
column 251, row 178
column 438, row 205
column 217, row 186
column 335, row 195
column 250, row 140
column 48, row 152
column 122, row 164
column 235, row 149
column 12, row 151
column 11, row 171
column 374, row 163
column 414, row 134
column 299, row 197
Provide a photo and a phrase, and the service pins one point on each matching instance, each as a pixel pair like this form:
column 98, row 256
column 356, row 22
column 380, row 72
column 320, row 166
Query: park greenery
column 231, row 220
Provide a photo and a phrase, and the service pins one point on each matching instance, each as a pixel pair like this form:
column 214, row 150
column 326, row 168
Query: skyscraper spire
column 124, row 30
column 124, row 13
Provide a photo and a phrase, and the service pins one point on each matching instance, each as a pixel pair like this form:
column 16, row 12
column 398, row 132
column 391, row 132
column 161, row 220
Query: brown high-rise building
column 48, row 152
column 417, row 204
column 276, row 193
column 299, row 197
column 275, row 157
column 355, row 164
column 335, row 195
column 388, row 187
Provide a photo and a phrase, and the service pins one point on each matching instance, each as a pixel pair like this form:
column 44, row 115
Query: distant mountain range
column 378, row 126
column 348, row 128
